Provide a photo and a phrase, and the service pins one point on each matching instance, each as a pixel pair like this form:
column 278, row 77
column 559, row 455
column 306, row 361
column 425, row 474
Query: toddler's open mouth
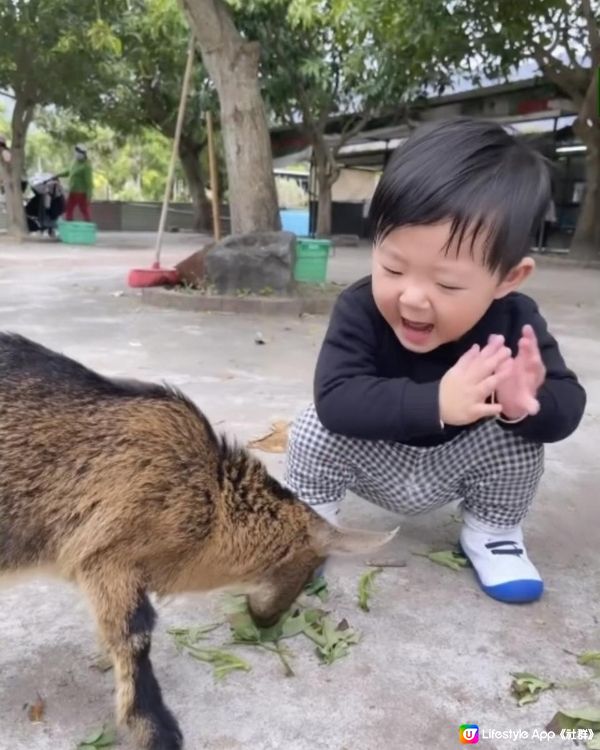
column 415, row 332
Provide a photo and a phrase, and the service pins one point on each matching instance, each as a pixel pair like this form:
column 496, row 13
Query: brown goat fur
column 124, row 488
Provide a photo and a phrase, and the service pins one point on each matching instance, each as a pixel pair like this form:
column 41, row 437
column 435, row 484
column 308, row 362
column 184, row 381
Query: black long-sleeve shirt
column 367, row 385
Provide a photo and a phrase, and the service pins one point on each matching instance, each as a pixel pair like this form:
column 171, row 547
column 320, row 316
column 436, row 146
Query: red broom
column 157, row 276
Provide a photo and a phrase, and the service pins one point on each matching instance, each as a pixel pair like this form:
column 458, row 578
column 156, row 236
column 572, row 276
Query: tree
column 331, row 66
column 130, row 167
column 50, row 51
column 563, row 38
column 232, row 63
column 155, row 35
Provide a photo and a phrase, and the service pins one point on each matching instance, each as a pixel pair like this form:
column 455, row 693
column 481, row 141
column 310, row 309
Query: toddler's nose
column 413, row 297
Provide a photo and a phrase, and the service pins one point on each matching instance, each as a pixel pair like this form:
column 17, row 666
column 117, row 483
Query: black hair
column 473, row 173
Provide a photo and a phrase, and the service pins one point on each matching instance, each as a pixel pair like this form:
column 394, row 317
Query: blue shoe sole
column 511, row 592
column 515, row 592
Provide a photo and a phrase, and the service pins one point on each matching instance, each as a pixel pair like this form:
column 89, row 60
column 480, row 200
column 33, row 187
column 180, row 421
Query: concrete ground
column 435, row 653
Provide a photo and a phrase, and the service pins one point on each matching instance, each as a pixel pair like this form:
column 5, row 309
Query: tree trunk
column 189, row 155
column 232, row 63
column 13, row 194
column 327, row 173
column 324, row 206
column 586, row 241
column 13, row 172
column 584, row 93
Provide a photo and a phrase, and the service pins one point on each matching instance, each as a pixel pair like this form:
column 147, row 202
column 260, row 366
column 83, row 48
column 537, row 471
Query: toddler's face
column 430, row 297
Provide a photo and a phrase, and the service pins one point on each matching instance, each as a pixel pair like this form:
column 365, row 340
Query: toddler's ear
column 515, row 277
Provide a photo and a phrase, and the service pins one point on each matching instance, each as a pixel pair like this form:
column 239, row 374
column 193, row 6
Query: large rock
column 256, row 263
column 192, row 269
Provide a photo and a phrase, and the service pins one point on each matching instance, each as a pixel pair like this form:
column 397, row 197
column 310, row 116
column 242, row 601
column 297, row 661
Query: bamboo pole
column 187, row 77
column 214, row 177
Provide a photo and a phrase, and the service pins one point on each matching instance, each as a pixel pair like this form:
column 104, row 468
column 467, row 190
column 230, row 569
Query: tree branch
column 305, row 110
column 349, row 132
column 593, row 31
column 572, row 81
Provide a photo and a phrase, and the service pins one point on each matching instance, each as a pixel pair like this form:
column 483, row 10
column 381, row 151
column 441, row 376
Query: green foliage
column 133, row 167
column 526, row 687
column 366, row 588
column 154, row 36
column 503, row 33
column 322, row 57
column 53, row 51
column 105, row 737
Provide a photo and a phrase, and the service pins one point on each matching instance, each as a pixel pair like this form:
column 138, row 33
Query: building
column 533, row 108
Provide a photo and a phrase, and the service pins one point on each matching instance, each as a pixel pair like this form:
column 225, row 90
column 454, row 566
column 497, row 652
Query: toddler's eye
column 394, row 273
column 450, row 288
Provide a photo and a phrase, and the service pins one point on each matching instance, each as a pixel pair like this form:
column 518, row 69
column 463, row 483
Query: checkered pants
column 495, row 472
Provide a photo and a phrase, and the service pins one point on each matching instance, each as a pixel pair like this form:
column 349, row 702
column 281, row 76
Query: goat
column 123, row 488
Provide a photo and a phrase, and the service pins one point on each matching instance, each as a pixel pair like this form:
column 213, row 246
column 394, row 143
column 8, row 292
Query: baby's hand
column 466, row 388
column 521, row 378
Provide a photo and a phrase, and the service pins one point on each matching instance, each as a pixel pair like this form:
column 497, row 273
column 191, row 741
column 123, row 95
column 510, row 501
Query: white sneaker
column 500, row 560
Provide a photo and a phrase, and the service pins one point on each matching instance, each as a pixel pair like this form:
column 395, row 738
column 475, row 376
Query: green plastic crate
column 77, row 232
column 311, row 260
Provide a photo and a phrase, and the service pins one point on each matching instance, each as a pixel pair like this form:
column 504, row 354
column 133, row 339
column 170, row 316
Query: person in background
column 81, row 183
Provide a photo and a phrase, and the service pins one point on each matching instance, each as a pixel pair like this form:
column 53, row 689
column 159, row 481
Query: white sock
column 328, row 511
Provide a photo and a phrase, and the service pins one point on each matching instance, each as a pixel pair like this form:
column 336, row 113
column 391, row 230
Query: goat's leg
column 126, row 619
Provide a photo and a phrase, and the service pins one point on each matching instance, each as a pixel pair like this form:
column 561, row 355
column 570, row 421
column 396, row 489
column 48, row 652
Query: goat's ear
column 331, row 540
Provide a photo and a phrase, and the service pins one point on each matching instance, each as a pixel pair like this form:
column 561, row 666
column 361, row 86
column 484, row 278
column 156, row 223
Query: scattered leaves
column 273, row 442
column 590, row 659
column 581, row 718
column 318, row 587
column 223, row 662
column 35, row 711
column 332, row 641
column 105, row 737
column 387, row 563
column 449, row 558
column 366, row 587
column 526, row 687
column 184, row 637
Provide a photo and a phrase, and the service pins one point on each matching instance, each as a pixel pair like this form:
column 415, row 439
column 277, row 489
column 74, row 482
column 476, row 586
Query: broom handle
column 178, row 128
column 214, row 176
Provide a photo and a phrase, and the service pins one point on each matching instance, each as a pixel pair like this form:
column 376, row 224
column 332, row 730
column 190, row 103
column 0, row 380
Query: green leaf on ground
column 526, row 687
column 449, row 558
column 223, row 662
column 318, row 587
column 366, row 587
column 590, row 659
column 105, row 737
column 332, row 642
column 190, row 636
column 579, row 718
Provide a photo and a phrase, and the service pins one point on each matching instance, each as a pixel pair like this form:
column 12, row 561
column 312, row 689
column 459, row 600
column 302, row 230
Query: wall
column 354, row 185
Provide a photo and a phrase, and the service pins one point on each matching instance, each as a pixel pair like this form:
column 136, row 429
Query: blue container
column 295, row 220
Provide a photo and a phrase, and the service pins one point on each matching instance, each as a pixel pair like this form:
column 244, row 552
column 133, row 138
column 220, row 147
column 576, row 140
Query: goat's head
column 315, row 542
